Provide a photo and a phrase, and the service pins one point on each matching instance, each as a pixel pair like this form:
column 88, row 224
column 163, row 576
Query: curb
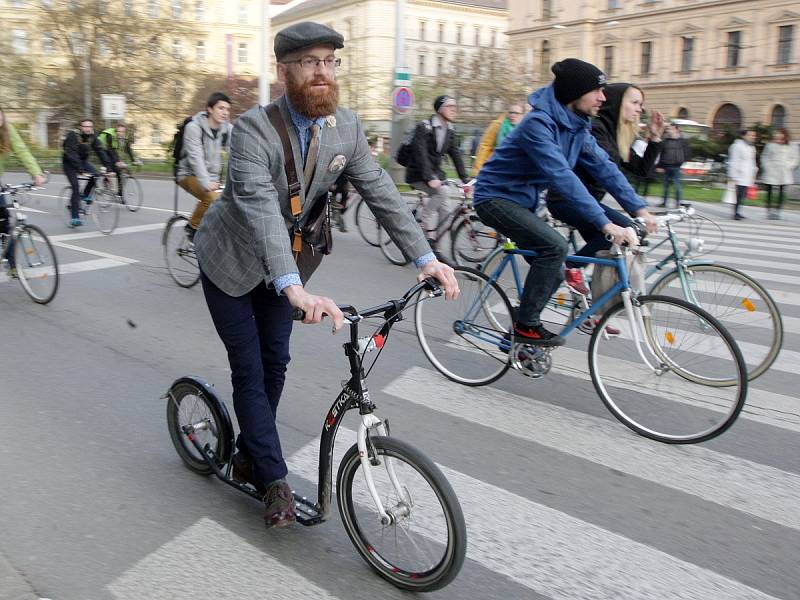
column 13, row 586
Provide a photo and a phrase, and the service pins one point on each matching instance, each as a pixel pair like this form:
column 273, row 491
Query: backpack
column 405, row 150
column 177, row 144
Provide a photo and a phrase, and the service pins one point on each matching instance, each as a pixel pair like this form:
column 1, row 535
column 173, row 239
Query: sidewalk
column 13, row 585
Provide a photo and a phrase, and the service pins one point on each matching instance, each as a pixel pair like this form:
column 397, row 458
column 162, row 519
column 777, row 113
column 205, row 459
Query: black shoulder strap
column 275, row 117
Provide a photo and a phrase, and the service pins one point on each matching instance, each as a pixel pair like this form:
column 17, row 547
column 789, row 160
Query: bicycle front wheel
column 65, row 204
column 105, row 211
column 467, row 339
column 471, row 241
column 188, row 404
column 179, row 253
column 390, row 249
column 132, row 193
column 37, row 266
column 739, row 302
column 423, row 546
column 673, row 374
column 367, row 224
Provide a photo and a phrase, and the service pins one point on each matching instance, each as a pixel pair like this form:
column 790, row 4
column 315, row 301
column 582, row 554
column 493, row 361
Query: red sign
column 403, row 99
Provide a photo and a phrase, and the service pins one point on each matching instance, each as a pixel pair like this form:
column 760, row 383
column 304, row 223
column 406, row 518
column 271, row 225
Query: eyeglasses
column 310, row 63
column 514, row 112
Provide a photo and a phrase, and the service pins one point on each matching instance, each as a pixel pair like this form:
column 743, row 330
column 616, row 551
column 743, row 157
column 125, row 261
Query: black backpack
column 177, row 144
column 405, row 154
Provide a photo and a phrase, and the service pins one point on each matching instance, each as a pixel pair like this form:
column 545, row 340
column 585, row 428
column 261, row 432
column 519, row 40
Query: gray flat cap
column 305, row 35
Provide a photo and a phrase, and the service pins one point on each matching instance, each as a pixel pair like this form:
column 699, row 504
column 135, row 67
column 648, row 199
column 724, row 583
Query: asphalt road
column 561, row 500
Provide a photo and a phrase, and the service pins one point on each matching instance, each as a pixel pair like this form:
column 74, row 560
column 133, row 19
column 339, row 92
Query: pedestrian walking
column 742, row 168
column 778, row 162
column 674, row 152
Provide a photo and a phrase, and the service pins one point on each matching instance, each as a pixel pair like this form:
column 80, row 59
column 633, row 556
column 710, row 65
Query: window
column 200, row 10
column 422, row 30
column 544, row 60
column 421, row 65
column 20, row 41
column 18, row 3
column 687, row 49
column 778, row 118
column 785, row 41
column 179, row 88
column 727, row 119
column 22, row 88
column 242, row 52
column 152, row 9
column 493, row 41
column 614, row 4
column 608, row 60
column 244, row 13
column 177, row 49
column 440, row 65
column 102, row 45
column 76, row 43
column 441, row 32
column 459, row 34
column 547, row 10
column 127, row 8
column 176, row 9
column 155, row 92
column 683, row 112
column 47, row 3
column 200, row 49
column 155, row 134
column 153, row 47
column 734, row 45
column 48, row 44
column 477, row 36
column 647, row 58
column 128, row 45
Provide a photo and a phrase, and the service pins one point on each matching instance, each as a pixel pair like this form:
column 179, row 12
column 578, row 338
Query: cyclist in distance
column 200, row 165
column 115, row 140
column 78, row 146
column 615, row 128
column 11, row 143
column 541, row 153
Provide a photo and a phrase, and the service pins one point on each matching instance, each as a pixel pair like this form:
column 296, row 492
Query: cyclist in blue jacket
column 540, row 153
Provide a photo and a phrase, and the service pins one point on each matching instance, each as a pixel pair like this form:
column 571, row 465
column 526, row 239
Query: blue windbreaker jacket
column 542, row 151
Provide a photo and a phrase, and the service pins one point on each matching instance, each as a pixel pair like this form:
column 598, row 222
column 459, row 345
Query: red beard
column 309, row 101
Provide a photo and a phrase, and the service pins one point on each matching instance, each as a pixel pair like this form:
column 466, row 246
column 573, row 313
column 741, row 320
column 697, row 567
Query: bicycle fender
column 210, row 393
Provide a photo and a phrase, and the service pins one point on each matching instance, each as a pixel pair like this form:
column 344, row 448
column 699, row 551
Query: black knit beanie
column 574, row 78
column 437, row 104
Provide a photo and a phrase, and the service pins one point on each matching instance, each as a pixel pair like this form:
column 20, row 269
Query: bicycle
column 102, row 204
column 35, row 264
column 403, row 519
column 366, row 223
column 470, row 240
column 132, row 195
column 743, row 306
column 686, row 372
column 178, row 249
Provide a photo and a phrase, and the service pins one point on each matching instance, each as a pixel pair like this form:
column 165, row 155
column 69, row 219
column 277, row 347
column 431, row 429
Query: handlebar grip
column 298, row 314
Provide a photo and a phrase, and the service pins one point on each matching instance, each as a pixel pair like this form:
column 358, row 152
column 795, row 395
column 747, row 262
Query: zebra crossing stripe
column 86, row 235
column 209, row 561
column 746, row 486
column 553, row 553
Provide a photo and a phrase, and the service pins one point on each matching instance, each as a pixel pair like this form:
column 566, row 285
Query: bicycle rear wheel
column 424, row 546
column 471, row 241
column 467, row 339
column 37, row 266
column 739, row 302
column 390, row 249
column 179, row 253
column 694, row 383
column 366, row 223
column 132, row 193
column 105, row 210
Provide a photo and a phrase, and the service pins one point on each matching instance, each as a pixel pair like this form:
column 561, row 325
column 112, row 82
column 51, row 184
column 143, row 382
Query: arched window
column 727, row 120
column 683, row 112
column 778, row 118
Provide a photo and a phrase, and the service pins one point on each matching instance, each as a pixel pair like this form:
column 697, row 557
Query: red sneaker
column 536, row 335
column 574, row 279
column 609, row 329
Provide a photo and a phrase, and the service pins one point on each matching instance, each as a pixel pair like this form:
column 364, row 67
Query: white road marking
column 755, row 489
column 85, row 235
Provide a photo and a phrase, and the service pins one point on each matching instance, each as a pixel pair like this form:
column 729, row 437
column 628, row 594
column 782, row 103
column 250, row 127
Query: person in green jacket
column 11, row 143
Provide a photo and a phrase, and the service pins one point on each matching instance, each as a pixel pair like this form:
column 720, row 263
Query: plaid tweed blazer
column 244, row 236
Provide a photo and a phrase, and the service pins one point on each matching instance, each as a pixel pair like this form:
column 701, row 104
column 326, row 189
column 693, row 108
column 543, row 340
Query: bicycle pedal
column 308, row 512
column 531, row 361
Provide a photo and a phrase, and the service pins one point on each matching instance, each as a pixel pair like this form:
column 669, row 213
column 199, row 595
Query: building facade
column 725, row 63
column 437, row 33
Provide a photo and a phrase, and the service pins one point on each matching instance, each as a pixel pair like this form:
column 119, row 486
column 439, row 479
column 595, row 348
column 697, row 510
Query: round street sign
column 403, row 99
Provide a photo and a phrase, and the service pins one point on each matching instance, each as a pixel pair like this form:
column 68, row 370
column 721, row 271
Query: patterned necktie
column 311, row 157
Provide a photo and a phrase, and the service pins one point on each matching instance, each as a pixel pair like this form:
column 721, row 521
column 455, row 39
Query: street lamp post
column 398, row 120
column 263, row 79
column 87, row 85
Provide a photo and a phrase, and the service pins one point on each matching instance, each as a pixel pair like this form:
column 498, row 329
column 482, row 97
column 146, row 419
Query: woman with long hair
column 11, row 143
column 778, row 162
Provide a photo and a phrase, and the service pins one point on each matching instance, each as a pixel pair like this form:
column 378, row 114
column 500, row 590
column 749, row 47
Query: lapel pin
column 337, row 164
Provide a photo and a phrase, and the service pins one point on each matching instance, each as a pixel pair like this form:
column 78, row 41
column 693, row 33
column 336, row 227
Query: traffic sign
column 403, row 99
column 112, row 106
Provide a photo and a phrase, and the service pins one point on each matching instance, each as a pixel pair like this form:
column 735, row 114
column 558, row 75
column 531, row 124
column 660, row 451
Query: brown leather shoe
column 243, row 471
column 279, row 505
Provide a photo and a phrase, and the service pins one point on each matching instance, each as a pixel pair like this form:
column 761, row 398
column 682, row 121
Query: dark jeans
column 530, row 233
column 255, row 329
column 741, row 196
column 72, row 176
column 594, row 238
column 672, row 175
column 778, row 201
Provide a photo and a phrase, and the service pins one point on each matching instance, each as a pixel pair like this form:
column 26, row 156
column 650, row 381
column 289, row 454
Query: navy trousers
column 255, row 329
